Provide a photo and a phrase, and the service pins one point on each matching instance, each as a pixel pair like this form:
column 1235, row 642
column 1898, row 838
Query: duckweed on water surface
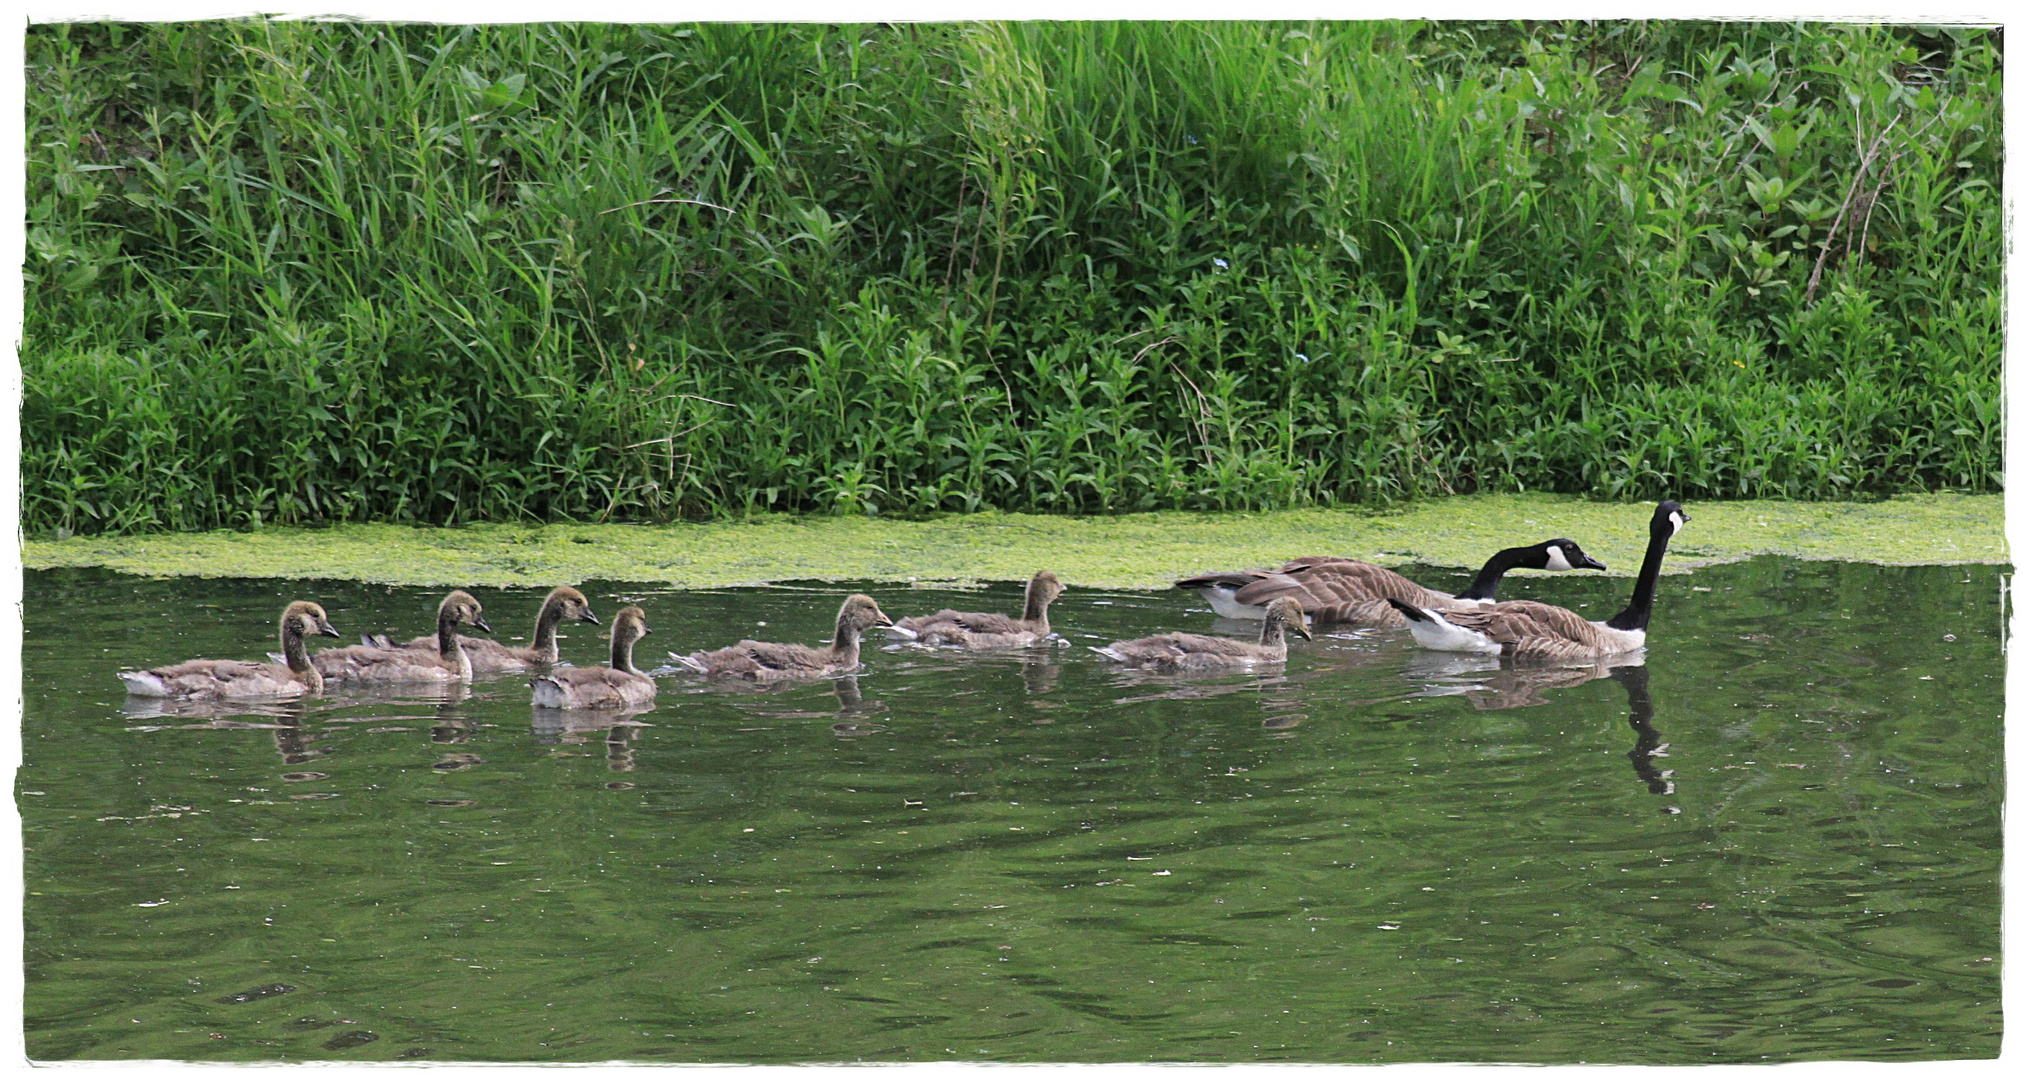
column 1129, row 551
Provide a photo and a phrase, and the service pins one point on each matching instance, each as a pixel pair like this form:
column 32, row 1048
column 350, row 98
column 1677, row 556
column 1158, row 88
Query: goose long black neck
column 1486, row 585
column 1636, row 613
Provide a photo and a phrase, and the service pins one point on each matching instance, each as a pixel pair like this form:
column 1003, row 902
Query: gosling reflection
column 575, row 727
column 294, row 743
column 217, row 713
column 1040, row 670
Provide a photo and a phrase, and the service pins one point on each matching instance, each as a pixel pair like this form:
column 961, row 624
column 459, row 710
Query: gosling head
column 1287, row 611
column 1668, row 518
column 1561, row 554
column 303, row 619
column 861, row 611
column 1045, row 585
column 630, row 624
column 572, row 604
column 462, row 607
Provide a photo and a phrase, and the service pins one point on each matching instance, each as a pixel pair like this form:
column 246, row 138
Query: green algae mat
column 1128, row 551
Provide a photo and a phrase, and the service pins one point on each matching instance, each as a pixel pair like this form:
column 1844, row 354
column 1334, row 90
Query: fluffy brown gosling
column 763, row 660
column 448, row 664
column 984, row 630
column 1202, row 652
column 240, row 680
column 601, row 687
column 490, row 657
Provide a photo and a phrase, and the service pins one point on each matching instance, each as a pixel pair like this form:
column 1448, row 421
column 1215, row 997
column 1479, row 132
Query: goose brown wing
column 1319, row 583
column 596, row 686
column 983, row 622
column 1174, row 647
column 762, row 658
column 1229, row 579
column 366, row 662
column 1207, row 645
column 227, row 678
column 976, row 622
column 1161, row 648
column 1356, row 613
column 1529, row 628
column 485, row 653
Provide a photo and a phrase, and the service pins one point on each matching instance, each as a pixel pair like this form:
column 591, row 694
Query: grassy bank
column 1135, row 551
column 305, row 273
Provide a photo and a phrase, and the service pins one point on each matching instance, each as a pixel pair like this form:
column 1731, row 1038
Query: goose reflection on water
column 1639, row 708
column 1491, row 682
column 574, row 727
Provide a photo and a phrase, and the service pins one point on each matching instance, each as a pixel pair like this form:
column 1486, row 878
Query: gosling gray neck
column 844, row 646
column 1036, row 613
column 623, row 638
column 448, row 647
column 297, row 657
column 545, row 631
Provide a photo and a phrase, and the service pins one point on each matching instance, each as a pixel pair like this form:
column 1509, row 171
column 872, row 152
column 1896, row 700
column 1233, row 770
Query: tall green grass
column 291, row 272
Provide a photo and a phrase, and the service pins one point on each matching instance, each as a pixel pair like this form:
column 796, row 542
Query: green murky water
column 1778, row 840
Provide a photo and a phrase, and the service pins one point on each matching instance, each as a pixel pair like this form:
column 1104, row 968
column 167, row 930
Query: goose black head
column 1668, row 518
column 1561, row 554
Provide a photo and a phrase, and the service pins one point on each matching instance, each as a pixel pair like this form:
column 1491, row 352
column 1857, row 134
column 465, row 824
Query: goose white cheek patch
column 1557, row 559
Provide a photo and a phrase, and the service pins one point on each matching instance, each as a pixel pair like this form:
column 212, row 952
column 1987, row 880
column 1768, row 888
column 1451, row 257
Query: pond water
column 1777, row 840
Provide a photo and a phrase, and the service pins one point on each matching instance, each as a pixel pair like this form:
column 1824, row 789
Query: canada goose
column 1202, row 652
column 236, row 680
column 980, row 630
column 447, row 663
column 767, row 660
column 1531, row 630
column 601, row 687
column 1338, row 590
column 489, row 656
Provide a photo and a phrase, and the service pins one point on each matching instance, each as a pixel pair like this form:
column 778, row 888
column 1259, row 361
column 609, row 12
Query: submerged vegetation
column 317, row 272
column 1122, row 551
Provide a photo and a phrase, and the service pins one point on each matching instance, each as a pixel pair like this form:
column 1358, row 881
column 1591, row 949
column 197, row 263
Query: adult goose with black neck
column 763, row 660
column 1526, row 629
column 1349, row 591
column 244, row 680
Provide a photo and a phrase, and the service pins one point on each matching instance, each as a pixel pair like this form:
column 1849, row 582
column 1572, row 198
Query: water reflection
column 1396, row 877
column 573, row 727
column 1639, row 710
